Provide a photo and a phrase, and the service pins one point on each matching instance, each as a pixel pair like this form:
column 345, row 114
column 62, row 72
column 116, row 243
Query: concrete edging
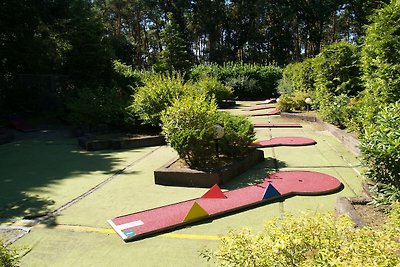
column 344, row 137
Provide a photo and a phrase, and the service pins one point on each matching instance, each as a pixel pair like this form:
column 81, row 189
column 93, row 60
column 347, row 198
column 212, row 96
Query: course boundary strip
column 90, row 229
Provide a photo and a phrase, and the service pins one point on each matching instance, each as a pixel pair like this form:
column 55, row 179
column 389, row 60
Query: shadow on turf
column 256, row 174
column 41, row 161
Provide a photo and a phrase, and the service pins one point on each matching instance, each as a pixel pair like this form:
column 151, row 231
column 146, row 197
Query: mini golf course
column 47, row 172
column 284, row 141
column 216, row 203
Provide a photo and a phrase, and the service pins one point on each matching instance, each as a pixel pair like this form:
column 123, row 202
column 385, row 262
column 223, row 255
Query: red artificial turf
column 284, row 141
column 279, row 125
column 259, row 108
column 268, row 113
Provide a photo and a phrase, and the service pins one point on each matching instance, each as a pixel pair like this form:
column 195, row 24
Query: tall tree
column 175, row 55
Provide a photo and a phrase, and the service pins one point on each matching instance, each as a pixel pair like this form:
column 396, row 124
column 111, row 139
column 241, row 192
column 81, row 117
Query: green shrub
column 8, row 257
column 248, row 81
column 297, row 77
column 337, row 69
column 311, row 240
column 158, row 92
column 295, row 101
column 380, row 147
column 92, row 107
column 285, row 103
column 243, row 86
column 335, row 109
column 125, row 77
column 188, row 128
column 380, row 58
column 214, row 88
column 384, row 194
column 239, row 133
column 299, row 98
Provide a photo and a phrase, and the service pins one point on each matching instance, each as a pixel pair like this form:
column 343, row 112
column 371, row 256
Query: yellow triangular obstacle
column 195, row 212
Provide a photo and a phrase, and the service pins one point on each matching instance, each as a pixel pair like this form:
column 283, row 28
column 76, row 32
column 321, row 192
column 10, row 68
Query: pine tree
column 175, row 56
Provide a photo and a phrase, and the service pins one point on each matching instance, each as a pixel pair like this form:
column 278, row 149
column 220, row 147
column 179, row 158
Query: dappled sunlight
column 43, row 173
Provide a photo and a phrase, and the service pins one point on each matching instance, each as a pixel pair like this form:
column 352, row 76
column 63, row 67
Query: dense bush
column 337, row 71
column 248, row 81
column 92, row 107
column 335, row 109
column 214, row 88
column 380, row 58
column 312, row 240
column 8, row 257
column 297, row 77
column 380, row 147
column 157, row 93
column 292, row 102
column 125, row 77
column 188, row 128
column 239, row 133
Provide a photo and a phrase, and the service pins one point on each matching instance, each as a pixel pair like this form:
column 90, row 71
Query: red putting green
column 268, row 113
column 284, row 141
column 215, row 203
column 259, row 108
column 277, row 125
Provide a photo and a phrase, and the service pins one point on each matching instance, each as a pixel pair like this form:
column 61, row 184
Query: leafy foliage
column 380, row 147
column 99, row 106
column 188, row 128
column 239, row 133
column 337, row 70
column 157, row 93
column 8, row 257
column 214, row 88
column 335, row 109
column 176, row 56
column 292, row 102
column 381, row 61
column 86, row 40
column 126, row 77
column 247, row 80
column 298, row 76
column 311, row 240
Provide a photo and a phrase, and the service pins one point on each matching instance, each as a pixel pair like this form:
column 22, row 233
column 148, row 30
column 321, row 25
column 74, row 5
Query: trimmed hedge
column 248, row 81
column 380, row 60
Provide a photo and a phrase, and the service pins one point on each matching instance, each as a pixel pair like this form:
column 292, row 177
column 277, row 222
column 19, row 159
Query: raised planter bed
column 119, row 141
column 167, row 175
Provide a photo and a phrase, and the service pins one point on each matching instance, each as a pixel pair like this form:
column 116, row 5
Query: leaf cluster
column 311, row 240
column 157, row 93
column 249, row 81
column 8, row 257
column 188, row 126
column 380, row 147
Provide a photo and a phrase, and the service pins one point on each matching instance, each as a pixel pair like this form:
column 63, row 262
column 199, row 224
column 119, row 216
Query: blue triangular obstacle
column 270, row 192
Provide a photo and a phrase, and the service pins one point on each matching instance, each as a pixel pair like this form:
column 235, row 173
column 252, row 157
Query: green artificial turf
column 59, row 171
